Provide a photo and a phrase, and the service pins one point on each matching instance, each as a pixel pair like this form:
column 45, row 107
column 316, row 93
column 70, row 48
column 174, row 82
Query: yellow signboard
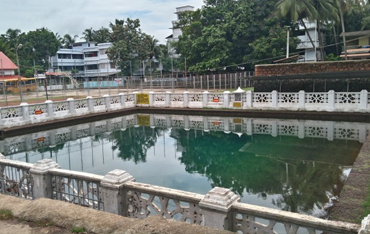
column 237, row 104
column 237, row 121
column 142, row 98
column 143, row 120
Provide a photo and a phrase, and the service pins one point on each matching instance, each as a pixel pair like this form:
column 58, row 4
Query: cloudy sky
column 74, row 16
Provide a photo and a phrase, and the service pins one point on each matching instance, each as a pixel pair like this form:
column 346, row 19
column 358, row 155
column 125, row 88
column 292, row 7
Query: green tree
column 102, row 35
column 68, row 40
column 88, row 34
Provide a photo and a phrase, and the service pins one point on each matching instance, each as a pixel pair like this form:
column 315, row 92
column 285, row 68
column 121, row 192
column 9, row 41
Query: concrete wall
column 311, row 68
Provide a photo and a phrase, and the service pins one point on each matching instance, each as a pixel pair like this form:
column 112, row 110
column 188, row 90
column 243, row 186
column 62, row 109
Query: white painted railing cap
column 88, row 97
column 220, row 199
column 206, row 91
column 106, row 95
column 70, row 99
column 116, row 178
column 239, row 90
column 44, row 165
column 186, row 92
column 48, row 101
column 24, row 104
column 121, row 94
column 227, row 92
column 168, row 92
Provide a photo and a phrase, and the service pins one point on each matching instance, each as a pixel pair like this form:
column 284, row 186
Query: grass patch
column 44, row 223
column 367, row 203
column 6, row 215
column 78, row 230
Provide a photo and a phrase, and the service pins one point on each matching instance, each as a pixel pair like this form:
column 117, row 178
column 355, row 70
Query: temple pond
column 293, row 165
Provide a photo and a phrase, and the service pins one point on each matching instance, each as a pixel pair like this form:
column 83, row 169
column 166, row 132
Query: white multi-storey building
column 176, row 31
column 306, row 45
column 86, row 59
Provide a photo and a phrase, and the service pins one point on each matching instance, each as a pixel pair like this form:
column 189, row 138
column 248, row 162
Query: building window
column 103, row 52
column 92, row 67
column 112, row 65
column 102, row 66
column 91, row 54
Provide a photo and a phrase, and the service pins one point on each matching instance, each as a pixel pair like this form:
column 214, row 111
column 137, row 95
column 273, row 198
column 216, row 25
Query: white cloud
column 74, row 16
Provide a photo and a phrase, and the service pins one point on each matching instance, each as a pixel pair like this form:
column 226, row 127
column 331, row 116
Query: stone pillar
column 301, row 129
column 1, row 121
column 28, row 142
column 109, row 125
column 274, row 129
column 205, row 124
column 42, row 184
column 205, row 98
column 301, row 99
column 25, row 113
column 274, row 99
column 90, row 103
column 364, row 100
column 124, row 123
column 331, row 100
column 249, row 127
column 73, row 131
column 227, row 125
column 106, row 98
column 249, row 99
column 50, row 108
column 92, row 129
column 365, row 226
column 216, row 206
column 71, row 106
column 151, row 98
column 186, row 99
column 135, row 98
column 52, row 138
column 226, row 99
column 362, row 130
column 168, row 121
column 168, row 99
column 330, row 133
column 152, row 121
column 186, row 123
column 122, row 98
column 113, row 193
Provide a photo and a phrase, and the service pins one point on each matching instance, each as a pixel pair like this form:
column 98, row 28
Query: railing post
column 90, row 104
column 113, row 193
column 249, row 99
column 331, row 100
column 186, row 123
column 330, row 129
column 274, row 129
column 1, row 121
column 226, row 125
column 216, row 206
column 363, row 99
column 168, row 99
column 365, row 226
column 205, row 98
column 71, row 106
column 249, row 127
column 42, row 180
column 122, row 99
column 135, row 98
column 301, row 99
column 186, row 99
column 205, row 124
column 274, row 99
column 50, row 108
column 106, row 98
column 226, row 99
column 301, row 130
column 25, row 113
column 151, row 98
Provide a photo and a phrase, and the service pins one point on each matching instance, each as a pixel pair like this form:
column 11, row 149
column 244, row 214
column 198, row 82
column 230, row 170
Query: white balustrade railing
column 118, row 193
column 275, row 127
column 330, row 101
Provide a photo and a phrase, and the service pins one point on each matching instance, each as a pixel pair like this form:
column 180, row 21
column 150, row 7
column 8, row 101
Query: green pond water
column 278, row 170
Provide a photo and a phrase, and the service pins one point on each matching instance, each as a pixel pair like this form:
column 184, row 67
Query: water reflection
column 291, row 165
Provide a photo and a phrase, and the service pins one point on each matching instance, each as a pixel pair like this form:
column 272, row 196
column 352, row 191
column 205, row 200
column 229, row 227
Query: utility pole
column 19, row 72
column 2, row 72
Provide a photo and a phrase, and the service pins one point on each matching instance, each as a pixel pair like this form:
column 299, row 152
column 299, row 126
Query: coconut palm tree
column 298, row 10
column 88, row 34
column 345, row 5
column 12, row 36
column 69, row 40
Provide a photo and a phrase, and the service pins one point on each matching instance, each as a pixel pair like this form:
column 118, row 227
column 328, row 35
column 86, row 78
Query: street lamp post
column 287, row 41
column 19, row 72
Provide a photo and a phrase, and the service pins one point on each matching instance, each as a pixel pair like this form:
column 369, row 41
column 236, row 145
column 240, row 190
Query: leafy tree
column 102, row 35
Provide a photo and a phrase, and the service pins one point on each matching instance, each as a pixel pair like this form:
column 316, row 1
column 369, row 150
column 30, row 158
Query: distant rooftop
column 357, row 33
column 7, row 64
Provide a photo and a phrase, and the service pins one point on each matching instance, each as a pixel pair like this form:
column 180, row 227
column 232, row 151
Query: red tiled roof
column 7, row 63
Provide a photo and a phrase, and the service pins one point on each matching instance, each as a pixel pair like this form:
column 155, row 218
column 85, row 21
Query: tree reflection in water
column 304, row 172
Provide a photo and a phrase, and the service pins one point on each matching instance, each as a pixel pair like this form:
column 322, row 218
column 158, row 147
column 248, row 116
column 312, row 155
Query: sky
column 74, row 16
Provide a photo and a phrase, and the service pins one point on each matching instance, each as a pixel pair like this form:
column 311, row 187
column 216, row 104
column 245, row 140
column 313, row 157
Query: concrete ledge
column 68, row 215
